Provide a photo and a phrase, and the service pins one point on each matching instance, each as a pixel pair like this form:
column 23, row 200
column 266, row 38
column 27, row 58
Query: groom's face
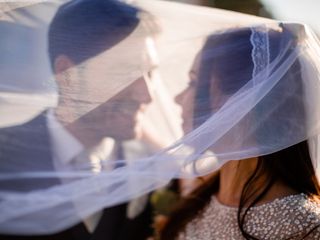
column 118, row 116
column 103, row 104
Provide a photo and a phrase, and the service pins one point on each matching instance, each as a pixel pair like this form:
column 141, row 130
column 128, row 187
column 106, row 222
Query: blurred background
column 285, row 10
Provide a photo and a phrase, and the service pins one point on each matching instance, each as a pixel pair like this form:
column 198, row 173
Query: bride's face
column 186, row 98
column 211, row 103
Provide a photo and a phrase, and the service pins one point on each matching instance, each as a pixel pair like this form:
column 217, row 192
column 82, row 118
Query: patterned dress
column 292, row 217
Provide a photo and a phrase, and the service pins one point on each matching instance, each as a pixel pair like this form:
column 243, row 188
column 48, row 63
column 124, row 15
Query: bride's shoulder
column 292, row 217
column 300, row 205
column 303, row 214
column 310, row 210
column 308, row 204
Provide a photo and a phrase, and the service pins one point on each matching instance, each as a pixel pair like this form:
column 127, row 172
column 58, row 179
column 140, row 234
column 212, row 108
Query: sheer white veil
column 125, row 98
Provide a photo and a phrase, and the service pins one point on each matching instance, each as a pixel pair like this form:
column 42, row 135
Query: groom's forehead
column 83, row 29
column 135, row 53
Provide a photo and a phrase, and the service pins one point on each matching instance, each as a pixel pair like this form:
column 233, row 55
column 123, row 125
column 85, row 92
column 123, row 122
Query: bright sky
column 307, row 11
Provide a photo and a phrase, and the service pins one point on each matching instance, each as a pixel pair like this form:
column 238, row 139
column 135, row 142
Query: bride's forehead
column 196, row 63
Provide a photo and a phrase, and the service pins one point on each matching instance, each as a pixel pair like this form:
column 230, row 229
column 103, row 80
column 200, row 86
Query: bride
column 268, row 196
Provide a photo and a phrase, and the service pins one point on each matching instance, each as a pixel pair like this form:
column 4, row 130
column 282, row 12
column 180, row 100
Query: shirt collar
column 65, row 146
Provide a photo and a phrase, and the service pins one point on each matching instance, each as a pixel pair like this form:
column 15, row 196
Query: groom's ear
column 63, row 69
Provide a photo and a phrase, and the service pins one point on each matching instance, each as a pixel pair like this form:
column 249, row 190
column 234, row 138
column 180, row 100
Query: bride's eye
column 193, row 84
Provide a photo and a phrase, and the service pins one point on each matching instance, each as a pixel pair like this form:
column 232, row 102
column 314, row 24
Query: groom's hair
column 83, row 29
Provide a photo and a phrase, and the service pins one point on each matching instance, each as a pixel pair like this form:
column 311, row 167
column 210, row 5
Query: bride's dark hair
column 292, row 166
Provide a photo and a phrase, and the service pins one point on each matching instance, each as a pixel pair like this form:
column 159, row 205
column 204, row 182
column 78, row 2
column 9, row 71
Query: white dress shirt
column 65, row 149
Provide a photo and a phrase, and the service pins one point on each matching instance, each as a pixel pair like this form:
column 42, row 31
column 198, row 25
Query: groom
column 89, row 115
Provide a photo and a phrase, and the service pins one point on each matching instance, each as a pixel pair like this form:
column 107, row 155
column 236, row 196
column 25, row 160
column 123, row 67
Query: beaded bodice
column 292, row 217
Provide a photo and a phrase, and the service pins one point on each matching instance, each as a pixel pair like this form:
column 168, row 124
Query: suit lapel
column 28, row 147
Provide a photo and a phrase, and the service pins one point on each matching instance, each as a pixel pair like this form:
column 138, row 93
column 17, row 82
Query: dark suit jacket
column 28, row 146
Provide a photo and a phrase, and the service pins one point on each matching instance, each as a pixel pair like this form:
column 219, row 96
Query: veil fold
column 99, row 108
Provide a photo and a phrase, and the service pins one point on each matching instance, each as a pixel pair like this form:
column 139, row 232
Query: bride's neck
column 235, row 174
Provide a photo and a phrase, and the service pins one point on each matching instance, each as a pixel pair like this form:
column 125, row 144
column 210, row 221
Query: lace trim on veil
column 260, row 52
